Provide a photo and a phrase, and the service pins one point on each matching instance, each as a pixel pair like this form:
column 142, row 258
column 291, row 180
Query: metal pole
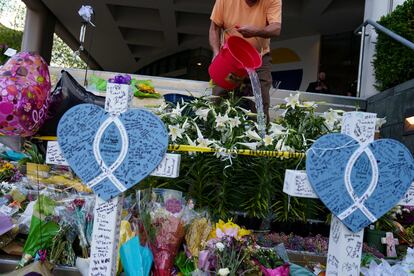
column 361, row 61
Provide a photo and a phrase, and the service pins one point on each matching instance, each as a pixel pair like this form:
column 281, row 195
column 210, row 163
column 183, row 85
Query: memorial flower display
column 199, row 223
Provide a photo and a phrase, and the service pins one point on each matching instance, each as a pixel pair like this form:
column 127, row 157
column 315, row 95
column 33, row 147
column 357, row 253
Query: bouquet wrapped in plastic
column 164, row 217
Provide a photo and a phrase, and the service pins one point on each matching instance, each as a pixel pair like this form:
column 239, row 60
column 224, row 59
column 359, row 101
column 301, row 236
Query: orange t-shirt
column 229, row 13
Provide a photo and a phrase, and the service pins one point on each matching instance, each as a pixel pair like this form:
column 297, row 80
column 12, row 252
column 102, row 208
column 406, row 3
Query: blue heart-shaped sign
column 357, row 183
column 111, row 153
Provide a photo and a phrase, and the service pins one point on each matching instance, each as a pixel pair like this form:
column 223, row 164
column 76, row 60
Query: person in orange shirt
column 255, row 20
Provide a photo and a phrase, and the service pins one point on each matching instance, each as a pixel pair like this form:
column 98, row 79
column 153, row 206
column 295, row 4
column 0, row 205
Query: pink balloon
column 24, row 94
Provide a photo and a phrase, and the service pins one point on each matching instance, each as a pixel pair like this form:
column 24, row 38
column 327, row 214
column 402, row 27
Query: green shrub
column 9, row 39
column 394, row 62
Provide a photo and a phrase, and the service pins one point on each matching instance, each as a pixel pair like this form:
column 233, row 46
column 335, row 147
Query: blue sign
column 111, row 153
column 359, row 183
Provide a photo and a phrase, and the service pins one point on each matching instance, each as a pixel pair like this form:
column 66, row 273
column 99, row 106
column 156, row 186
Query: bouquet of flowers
column 163, row 219
column 225, row 250
column 79, row 215
column 9, row 172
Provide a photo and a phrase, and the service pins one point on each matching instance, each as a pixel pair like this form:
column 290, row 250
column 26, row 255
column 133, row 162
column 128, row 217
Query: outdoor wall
column 295, row 62
column 392, row 104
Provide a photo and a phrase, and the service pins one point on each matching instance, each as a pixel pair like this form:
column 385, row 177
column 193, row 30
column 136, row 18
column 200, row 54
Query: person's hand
column 248, row 31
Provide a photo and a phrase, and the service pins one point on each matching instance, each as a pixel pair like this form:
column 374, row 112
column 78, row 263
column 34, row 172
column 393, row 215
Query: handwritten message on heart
column 359, row 182
column 111, row 153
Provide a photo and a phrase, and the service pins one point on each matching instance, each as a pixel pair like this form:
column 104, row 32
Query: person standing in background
column 256, row 21
column 319, row 86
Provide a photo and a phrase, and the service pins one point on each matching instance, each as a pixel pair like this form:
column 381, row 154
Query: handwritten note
column 105, row 237
column 296, row 184
column 345, row 249
column 54, row 155
column 408, row 199
column 118, row 98
column 111, row 153
column 169, row 166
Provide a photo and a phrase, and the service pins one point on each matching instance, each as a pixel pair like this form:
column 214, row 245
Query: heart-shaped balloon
column 111, row 153
column 357, row 183
column 24, row 94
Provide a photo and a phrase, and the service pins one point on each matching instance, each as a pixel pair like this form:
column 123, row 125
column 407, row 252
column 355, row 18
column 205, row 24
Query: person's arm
column 214, row 38
column 271, row 30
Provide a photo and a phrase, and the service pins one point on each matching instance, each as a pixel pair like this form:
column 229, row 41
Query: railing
column 377, row 27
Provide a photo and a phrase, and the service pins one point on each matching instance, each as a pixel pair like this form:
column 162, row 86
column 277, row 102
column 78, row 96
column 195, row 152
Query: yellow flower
column 229, row 228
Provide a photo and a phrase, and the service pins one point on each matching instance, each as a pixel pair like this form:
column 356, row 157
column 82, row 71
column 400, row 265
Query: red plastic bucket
column 228, row 69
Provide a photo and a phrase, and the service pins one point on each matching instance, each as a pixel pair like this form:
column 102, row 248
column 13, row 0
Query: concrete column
column 39, row 28
column 374, row 10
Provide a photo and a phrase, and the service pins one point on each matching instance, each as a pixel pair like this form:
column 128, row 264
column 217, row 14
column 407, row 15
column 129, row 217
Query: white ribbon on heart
column 107, row 172
column 359, row 201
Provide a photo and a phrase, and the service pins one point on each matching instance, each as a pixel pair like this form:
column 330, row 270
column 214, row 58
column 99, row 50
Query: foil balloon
column 24, row 94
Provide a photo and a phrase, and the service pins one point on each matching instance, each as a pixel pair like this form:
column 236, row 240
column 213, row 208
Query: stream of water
column 257, row 92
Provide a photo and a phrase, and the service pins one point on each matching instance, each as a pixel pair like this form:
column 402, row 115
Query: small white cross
column 390, row 242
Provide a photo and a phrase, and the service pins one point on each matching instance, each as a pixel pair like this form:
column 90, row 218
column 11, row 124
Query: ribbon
column 359, row 201
column 107, row 172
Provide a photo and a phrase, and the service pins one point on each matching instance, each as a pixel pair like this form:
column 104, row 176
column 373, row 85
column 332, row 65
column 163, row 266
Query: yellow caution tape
column 266, row 153
column 188, row 148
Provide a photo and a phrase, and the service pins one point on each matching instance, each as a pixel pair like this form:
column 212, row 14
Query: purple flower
column 121, row 79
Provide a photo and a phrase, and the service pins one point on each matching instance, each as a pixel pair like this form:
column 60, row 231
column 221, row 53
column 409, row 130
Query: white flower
column 175, row 132
column 161, row 108
column 176, row 112
column 252, row 135
column 202, row 113
column 332, row 117
column 310, row 104
column 277, row 129
column 292, row 101
column 268, row 140
column 221, row 120
column 379, row 123
column 202, row 142
column 251, row 146
column 234, row 122
column 220, row 246
column 223, row 271
column 190, row 142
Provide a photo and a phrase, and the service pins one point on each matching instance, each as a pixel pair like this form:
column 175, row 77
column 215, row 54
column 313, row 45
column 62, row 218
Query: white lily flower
column 175, row 132
column 252, row 135
column 310, row 104
column 292, row 101
column 277, row 129
column 202, row 113
column 221, row 120
column 234, row 122
column 190, row 142
column 252, row 146
column 176, row 112
column 185, row 124
column 331, row 118
column 202, row 142
column 161, row 108
column 268, row 140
